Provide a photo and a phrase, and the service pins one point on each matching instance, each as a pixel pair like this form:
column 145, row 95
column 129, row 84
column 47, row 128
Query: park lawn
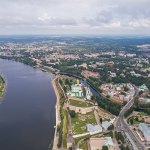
column 83, row 137
column 79, row 104
column 65, row 128
column 79, row 122
column 83, row 145
column 142, row 114
column 135, row 121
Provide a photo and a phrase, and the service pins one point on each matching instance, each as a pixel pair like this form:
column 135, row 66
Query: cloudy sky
column 75, row 17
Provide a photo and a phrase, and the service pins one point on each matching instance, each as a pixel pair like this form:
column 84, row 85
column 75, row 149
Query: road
column 123, row 127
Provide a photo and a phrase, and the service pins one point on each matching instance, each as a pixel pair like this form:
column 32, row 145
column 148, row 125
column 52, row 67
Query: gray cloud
column 74, row 16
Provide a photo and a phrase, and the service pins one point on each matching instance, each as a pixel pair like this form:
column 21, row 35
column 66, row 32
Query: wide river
column 27, row 111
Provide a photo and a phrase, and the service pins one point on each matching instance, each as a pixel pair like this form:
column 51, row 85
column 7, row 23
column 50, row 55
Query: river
column 27, row 111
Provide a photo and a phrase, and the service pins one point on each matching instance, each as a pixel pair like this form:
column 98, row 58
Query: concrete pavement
column 123, row 127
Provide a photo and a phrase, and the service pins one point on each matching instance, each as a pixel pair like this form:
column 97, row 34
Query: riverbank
column 2, row 86
column 58, row 120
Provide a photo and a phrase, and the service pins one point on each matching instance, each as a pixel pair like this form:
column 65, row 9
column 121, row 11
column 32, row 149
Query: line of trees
column 25, row 60
column 106, row 104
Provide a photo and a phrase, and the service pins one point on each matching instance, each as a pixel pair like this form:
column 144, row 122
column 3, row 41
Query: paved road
column 123, row 127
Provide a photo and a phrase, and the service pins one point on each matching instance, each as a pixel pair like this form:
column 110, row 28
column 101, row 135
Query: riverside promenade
column 57, row 107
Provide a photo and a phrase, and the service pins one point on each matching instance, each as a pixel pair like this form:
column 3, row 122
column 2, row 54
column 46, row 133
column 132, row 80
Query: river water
column 27, row 111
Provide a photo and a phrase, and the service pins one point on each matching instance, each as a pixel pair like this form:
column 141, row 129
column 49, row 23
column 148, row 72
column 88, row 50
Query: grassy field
column 65, row 130
column 83, row 145
column 80, row 121
column 79, row 104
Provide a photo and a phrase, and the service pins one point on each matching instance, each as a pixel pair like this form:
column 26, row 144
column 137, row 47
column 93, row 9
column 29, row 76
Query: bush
column 72, row 113
column 111, row 127
column 105, row 148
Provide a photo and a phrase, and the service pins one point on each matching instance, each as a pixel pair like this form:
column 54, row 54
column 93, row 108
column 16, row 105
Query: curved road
column 122, row 126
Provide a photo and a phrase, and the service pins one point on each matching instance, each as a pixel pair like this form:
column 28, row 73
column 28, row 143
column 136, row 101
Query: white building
column 93, row 129
column 143, row 88
column 106, row 124
column 145, row 129
column 112, row 74
column 76, row 90
column 88, row 94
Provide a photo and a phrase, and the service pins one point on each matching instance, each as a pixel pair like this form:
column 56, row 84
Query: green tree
column 72, row 113
column 131, row 121
column 136, row 102
column 111, row 134
column 101, row 120
column 111, row 127
column 84, row 91
column 126, row 89
column 105, row 147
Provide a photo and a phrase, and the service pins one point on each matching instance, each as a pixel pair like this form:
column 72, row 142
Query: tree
column 66, row 81
column 105, row 147
column 136, row 118
column 101, row 120
column 72, row 113
column 128, row 112
column 141, row 92
column 124, row 103
column 121, row 147
column 111, row 134
column 60, row 81
column 84, row 91
column 131, row 121
column 126, row 89
column 136, row 102
column 111, row 127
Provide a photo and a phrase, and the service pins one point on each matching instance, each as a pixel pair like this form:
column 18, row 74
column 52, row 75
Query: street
column 123, row 127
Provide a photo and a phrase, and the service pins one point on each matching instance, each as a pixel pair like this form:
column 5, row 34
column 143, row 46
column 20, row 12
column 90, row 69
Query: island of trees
column 2, row 86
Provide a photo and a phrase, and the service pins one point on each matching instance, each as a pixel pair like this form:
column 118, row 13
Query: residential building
column 84, row 65
column 88, row 74
column 112, row 74
column 143, row 88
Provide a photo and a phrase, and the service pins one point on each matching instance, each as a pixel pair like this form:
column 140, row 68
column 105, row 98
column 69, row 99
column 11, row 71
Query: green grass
column 80, row 121
column 65, row 129
column 79, row 104
column 83, row 145
column 80, row 138
column 142, row 114
column 134, row 121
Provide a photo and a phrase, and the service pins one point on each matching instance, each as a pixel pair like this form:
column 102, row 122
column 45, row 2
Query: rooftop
column 94, row 128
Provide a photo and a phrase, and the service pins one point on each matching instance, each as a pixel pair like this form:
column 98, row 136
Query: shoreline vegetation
column 2, row 87
column 61, row 117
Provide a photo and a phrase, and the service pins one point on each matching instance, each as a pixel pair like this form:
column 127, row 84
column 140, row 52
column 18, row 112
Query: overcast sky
column 75, row 17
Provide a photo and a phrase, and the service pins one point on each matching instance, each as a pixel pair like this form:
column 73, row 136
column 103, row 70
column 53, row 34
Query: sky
column 98, row 17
